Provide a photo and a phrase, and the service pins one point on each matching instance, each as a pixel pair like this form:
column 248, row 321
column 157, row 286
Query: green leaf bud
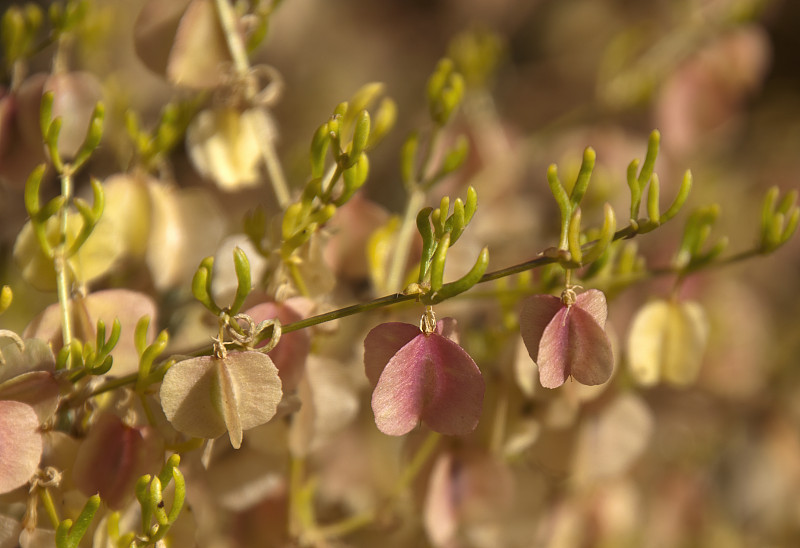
column 32, row 186
column 319, row 149
column 140, row 334
column 471, row 205
column 242, row 268
column 585, row 173
column 360, row 136
column 201, row 285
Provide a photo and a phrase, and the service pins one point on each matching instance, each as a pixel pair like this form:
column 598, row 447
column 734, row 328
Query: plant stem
column 60, row 260
column 397, row 298
column 49, row 506
column 238, row 51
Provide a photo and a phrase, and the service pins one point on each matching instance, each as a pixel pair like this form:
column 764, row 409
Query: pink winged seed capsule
column 566, row 340
column 419, row 377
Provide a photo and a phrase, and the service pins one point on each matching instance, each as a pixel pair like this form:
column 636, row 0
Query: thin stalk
column 276, row 176
column 60, row 261
column 397, row 298
column 238, row 51
column 49, row 506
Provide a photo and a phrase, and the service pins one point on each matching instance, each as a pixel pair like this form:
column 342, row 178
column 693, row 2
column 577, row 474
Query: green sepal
column 585, row 173
column 437, row 263
column 465, row 282
column 201, row 285
column 244, row 282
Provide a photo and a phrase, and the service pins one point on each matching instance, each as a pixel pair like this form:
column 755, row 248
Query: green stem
column 49, row 506
column 60, row 260
column 404, row 236
column 227, row 19
column 397, row 298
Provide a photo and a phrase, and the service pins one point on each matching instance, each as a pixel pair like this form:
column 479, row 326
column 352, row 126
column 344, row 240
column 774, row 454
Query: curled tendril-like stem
column 45, row 477
column 5, row 333
column 568, row 296
column 248, row 332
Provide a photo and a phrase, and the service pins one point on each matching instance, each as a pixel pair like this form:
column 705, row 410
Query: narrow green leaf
column 680, row 199
column 244, row 282
column 437, row 263
column 585, row 173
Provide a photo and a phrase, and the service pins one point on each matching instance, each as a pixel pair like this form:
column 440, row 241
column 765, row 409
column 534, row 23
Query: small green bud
column 319, row 149
column 360, row 136
column 242, row 268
